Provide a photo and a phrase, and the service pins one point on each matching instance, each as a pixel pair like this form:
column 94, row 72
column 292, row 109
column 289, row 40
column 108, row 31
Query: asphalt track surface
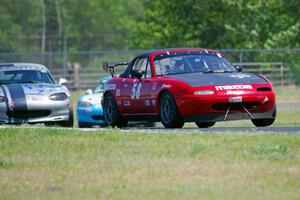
column 288, row 106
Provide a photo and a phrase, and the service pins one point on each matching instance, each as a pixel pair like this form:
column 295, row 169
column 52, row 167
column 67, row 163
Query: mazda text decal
column 234, row 87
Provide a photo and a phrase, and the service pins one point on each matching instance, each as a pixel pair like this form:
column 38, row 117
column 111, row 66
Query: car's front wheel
column 265, row 122
column 169, row 114
column 112, row 114
column 205, row 124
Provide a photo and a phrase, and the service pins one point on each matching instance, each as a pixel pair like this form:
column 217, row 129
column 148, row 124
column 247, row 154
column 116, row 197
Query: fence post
column 241, row 57
column 281, row 74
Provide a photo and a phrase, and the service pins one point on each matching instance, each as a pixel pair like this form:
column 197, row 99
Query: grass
column 116, row 164
column 287, row 94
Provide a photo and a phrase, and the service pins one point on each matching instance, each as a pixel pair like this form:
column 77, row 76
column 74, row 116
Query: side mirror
column 137, row 74
column 238, row 68
column 88, row 92
column 62, row 81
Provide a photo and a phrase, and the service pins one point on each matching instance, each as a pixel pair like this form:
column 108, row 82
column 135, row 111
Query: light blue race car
column 89, row 108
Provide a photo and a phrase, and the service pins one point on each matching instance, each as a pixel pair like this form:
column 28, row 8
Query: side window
column 143, row 65
column 148, row 70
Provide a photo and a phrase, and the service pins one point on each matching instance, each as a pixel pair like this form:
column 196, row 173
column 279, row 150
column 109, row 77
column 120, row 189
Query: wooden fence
column 85, row 78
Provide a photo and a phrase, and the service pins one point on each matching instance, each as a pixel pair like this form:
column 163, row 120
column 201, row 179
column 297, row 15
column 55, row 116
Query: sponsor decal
column 119, row 102
column 165, row 86
column 153, row 102
column 22, row 67
column 154, row 85
column 235, row 99
column 234, row 87
column 118, row 92
column 237, row 92
column 241, row 76
column 126, row 103
column 110, row 86
column 147, row 102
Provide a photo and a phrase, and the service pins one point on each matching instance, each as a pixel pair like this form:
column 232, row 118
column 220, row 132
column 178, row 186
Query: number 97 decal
column 136, row 90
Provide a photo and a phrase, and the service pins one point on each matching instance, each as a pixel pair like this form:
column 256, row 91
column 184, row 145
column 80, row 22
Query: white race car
column 29, row 94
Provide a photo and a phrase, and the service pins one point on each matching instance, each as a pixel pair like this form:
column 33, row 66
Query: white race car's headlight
column 204, row 92
column 58, row 97
column 84, row 104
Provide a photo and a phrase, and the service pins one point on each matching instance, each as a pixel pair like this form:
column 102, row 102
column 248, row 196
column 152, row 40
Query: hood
column 200, row 79
column 33, row 89
column 42, row 89
column 93, row 98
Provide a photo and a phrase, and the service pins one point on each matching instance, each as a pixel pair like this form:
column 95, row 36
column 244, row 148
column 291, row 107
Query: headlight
column 58, row 97
column 3, row 99
column 203, row 92
column 84, row 104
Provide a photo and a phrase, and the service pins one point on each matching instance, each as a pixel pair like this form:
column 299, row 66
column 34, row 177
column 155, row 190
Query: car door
column 137, row 91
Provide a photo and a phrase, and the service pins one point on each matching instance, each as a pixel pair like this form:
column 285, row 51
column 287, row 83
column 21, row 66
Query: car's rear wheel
column 205, row 124
column 265, row 122
column 169, row 114
column 112, row 114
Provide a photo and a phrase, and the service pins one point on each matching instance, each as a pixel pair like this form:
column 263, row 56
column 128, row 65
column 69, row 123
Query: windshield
column 191, row 63
column 99, row 87
column 100, row 84
column 25, row 76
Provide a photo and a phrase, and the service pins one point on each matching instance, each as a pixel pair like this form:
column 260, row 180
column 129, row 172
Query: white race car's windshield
column 191, row 63
column 25, row 76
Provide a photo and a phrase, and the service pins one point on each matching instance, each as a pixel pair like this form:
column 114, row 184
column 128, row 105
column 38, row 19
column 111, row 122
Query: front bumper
column 44, row 112
column 214, row 108
column 90, row 115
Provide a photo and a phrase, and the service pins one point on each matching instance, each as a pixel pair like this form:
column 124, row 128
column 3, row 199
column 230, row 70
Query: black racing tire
column 69, row 122
column 204, row 124
column 169, row 114
column 112, row 114
column 265, row 122
column 83, row 125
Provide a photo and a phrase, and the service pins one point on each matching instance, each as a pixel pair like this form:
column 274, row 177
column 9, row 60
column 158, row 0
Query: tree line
column 91, row 25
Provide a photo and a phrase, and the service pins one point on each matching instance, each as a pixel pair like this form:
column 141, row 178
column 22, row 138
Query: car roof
column 23, row 65
column 175, row 50
column 20, row 65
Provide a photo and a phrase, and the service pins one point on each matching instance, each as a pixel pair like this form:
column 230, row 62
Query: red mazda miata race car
column 175, row 86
